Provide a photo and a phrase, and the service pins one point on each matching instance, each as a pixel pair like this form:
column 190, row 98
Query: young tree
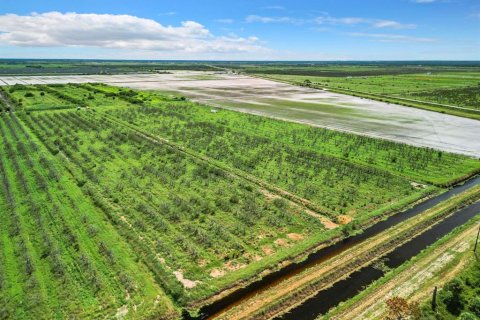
column 399, row 309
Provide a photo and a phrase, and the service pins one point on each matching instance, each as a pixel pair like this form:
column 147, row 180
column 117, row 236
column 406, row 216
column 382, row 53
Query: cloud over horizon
column 56, row 29
column 382, row 37
column 326, row 19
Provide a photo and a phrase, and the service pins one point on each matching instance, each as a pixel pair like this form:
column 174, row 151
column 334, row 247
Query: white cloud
column 262, row 19
column 393, row 24
column 55, row 29
column 227, row 21
column 326, row 19
column 274, row 8
column 352, row 21
column 384, row 37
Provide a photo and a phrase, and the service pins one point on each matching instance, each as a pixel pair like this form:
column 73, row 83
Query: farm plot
column 57, row 96
column 304, row 105
column 35, row 98
column 192, row 223
column 465, row 97
column 334, row 185
column 208, row 198
column 220, row 133
column 59, row 257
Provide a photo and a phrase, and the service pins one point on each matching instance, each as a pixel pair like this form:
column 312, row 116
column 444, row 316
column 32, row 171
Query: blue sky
column 241, row 30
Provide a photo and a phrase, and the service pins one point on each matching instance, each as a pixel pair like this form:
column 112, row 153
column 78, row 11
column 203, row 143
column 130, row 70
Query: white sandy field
column 311, row 106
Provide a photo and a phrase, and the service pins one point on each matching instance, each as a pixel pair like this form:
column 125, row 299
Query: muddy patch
column 217, row 273
column 417, row 185
column 267, row 250
column 189, row 284
column 232, row 265
column 295, row 236
column 281, row 242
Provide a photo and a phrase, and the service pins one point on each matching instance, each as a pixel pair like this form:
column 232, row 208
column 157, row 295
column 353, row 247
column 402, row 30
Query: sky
column 241, row 29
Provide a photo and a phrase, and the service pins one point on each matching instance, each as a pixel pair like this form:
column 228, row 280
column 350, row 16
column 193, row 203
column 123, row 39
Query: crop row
column 468, row 97
column 338, row 185
column 420, row 164
column 60, row 258
column 191, row 216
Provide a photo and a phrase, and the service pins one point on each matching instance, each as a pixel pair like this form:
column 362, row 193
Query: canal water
column 348, row 288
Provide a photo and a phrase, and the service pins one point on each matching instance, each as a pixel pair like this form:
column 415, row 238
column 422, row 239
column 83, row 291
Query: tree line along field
column 189, row 199
column 38, row 66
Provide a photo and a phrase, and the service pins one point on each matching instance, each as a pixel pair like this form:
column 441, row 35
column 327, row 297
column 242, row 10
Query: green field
column 133, row 198
column 60, row 257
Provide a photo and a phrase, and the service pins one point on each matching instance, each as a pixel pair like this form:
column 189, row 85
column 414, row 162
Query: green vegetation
column 459, row 298
column 59, row 257
column 350, row 68
column 228, row 135
column 464, row 97
column 396, row 85
column 191, row 216
column 32, row 67
column 141, row 197
column 43, row 97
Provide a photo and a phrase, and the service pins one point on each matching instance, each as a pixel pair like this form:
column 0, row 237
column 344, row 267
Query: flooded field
column 305, row 105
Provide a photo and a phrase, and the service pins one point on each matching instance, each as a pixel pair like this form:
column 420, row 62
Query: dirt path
column 338, row 267
column 416, row 282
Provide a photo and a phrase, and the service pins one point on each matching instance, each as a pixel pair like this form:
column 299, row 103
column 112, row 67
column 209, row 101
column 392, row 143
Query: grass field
column 459, row 297
column 145, row 197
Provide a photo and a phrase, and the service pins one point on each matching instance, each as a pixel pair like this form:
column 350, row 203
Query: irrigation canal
column 345, row 289
column 348, row 288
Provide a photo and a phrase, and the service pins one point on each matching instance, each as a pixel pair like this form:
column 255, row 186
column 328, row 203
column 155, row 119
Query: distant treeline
column 26, row 67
